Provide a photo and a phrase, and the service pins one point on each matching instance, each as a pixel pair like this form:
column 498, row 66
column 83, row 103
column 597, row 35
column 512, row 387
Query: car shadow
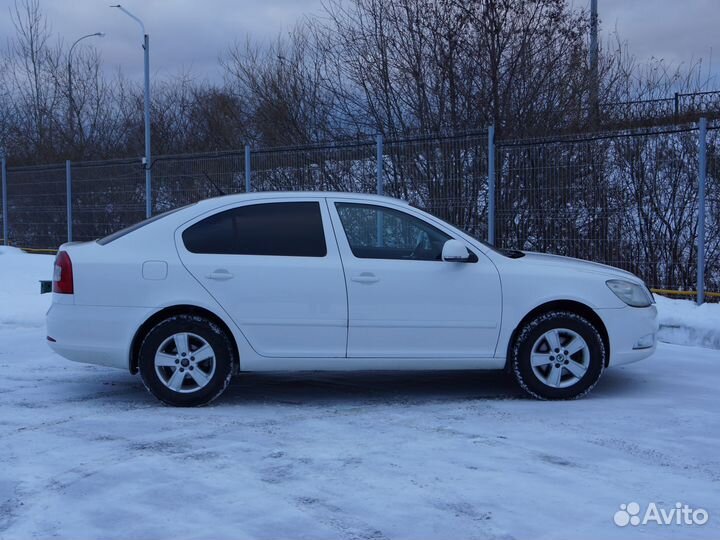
column 300, row 388
column 365, row 387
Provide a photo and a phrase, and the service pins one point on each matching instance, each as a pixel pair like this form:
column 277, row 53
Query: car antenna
column 220, row 191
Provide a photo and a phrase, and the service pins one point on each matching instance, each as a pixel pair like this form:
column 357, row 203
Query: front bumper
column 632, row 333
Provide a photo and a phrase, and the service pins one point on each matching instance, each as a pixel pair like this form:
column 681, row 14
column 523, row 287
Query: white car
column 336, row 281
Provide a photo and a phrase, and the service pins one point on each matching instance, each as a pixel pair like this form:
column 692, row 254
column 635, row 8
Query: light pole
column 147, row 164
column 594, row 81
column 70, row 81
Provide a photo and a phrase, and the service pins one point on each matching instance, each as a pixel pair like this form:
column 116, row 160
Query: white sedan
column 336, row 281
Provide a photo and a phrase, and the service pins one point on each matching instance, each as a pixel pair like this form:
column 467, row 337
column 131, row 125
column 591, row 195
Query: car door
column 274, row 267
column 403, row 299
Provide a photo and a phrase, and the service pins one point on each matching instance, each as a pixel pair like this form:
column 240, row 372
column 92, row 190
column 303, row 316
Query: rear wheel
column 558, row 355
column 186, row 360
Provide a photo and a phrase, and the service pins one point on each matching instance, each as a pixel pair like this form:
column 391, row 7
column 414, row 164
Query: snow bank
column 685, row 323
column 21, row 303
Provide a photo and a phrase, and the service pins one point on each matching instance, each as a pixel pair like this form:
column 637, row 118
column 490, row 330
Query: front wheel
column 558, row 355
column 186, row 360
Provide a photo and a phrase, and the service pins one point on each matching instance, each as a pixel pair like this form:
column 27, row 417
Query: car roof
column 259, row 195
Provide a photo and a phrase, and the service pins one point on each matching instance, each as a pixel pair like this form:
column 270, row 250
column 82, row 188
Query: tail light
column 63, row 274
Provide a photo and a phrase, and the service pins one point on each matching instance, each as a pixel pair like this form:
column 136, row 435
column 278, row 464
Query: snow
column 86, row 452
column 20, row 274
column 683, row 322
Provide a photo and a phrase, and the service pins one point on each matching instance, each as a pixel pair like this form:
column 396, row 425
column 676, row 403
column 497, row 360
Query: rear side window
column 291, row 229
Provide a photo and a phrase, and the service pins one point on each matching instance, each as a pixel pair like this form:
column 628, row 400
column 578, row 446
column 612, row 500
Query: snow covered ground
column 86, row 452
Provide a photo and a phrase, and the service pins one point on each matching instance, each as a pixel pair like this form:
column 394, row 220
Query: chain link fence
column 348, row 166
column 106, row 196
column 712, row 211
column 628, row 199
column 624, row 198
column 446, row 176
column 36, row 206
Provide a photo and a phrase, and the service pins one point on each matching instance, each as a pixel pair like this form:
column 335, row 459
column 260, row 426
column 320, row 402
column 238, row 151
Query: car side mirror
column 455, row 251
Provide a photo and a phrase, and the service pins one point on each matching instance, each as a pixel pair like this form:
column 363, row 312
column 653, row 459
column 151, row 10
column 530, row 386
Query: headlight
column 631, row 293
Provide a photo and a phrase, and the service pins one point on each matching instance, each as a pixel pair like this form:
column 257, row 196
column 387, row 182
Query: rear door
column 273, row 264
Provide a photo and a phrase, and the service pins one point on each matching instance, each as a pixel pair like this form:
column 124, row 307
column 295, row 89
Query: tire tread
column 194, row 319
column 529, row 328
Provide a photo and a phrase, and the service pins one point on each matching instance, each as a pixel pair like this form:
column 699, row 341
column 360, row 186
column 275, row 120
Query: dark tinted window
column 289, row 229
column 377, row 232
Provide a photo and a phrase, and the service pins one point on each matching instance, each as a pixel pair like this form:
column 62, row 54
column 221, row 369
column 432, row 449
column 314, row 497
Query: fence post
column 702, row 170
column 6, row 240
column 248, row 185
column 491, row 185
column 379, row 184
column 380, row 190
column 676, row 105
column 68, row 195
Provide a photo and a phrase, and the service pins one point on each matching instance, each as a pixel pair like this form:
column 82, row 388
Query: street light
column 594, row 81
column 147, row 162
column 70, row 82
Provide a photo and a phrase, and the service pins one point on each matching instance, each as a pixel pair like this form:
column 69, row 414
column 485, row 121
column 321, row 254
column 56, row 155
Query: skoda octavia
column 336, row 281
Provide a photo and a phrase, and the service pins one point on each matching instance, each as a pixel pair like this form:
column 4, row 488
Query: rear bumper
column 632, row 332
column 94, row 334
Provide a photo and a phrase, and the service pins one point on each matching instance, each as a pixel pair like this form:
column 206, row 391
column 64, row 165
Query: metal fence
column 645, row 112
column 626, row 198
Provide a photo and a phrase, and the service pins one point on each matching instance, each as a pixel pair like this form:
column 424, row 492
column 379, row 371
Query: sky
column 678, row 31
column 190, row 35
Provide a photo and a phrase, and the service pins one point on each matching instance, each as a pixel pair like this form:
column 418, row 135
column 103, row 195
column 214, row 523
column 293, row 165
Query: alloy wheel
column 560, row 358
column 185, row 362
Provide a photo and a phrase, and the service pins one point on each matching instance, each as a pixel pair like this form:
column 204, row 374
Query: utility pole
column 594, row 80
column 702, row 176
column 147, row 160
column 3, row 173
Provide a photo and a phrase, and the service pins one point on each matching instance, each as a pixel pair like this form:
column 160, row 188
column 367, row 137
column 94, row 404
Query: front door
column 274, row 267
column 403, row 299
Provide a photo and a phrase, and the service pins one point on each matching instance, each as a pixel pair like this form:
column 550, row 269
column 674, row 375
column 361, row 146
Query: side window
column 376, row 232
column 292, row 229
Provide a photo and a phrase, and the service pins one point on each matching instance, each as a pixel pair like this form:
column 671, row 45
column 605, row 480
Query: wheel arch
column 170, row 311
column 562, row 305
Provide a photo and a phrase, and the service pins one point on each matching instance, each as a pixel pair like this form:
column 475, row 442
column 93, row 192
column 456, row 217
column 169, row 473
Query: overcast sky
column 191, row 34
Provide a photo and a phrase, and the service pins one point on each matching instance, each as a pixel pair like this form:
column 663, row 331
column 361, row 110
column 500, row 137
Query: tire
column 186, row 380
column 542, row 365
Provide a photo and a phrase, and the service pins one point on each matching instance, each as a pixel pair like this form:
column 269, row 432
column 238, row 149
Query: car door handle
column 219, row 275
column 365, row 277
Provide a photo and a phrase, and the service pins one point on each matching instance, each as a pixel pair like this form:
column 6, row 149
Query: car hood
column 579, row 265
